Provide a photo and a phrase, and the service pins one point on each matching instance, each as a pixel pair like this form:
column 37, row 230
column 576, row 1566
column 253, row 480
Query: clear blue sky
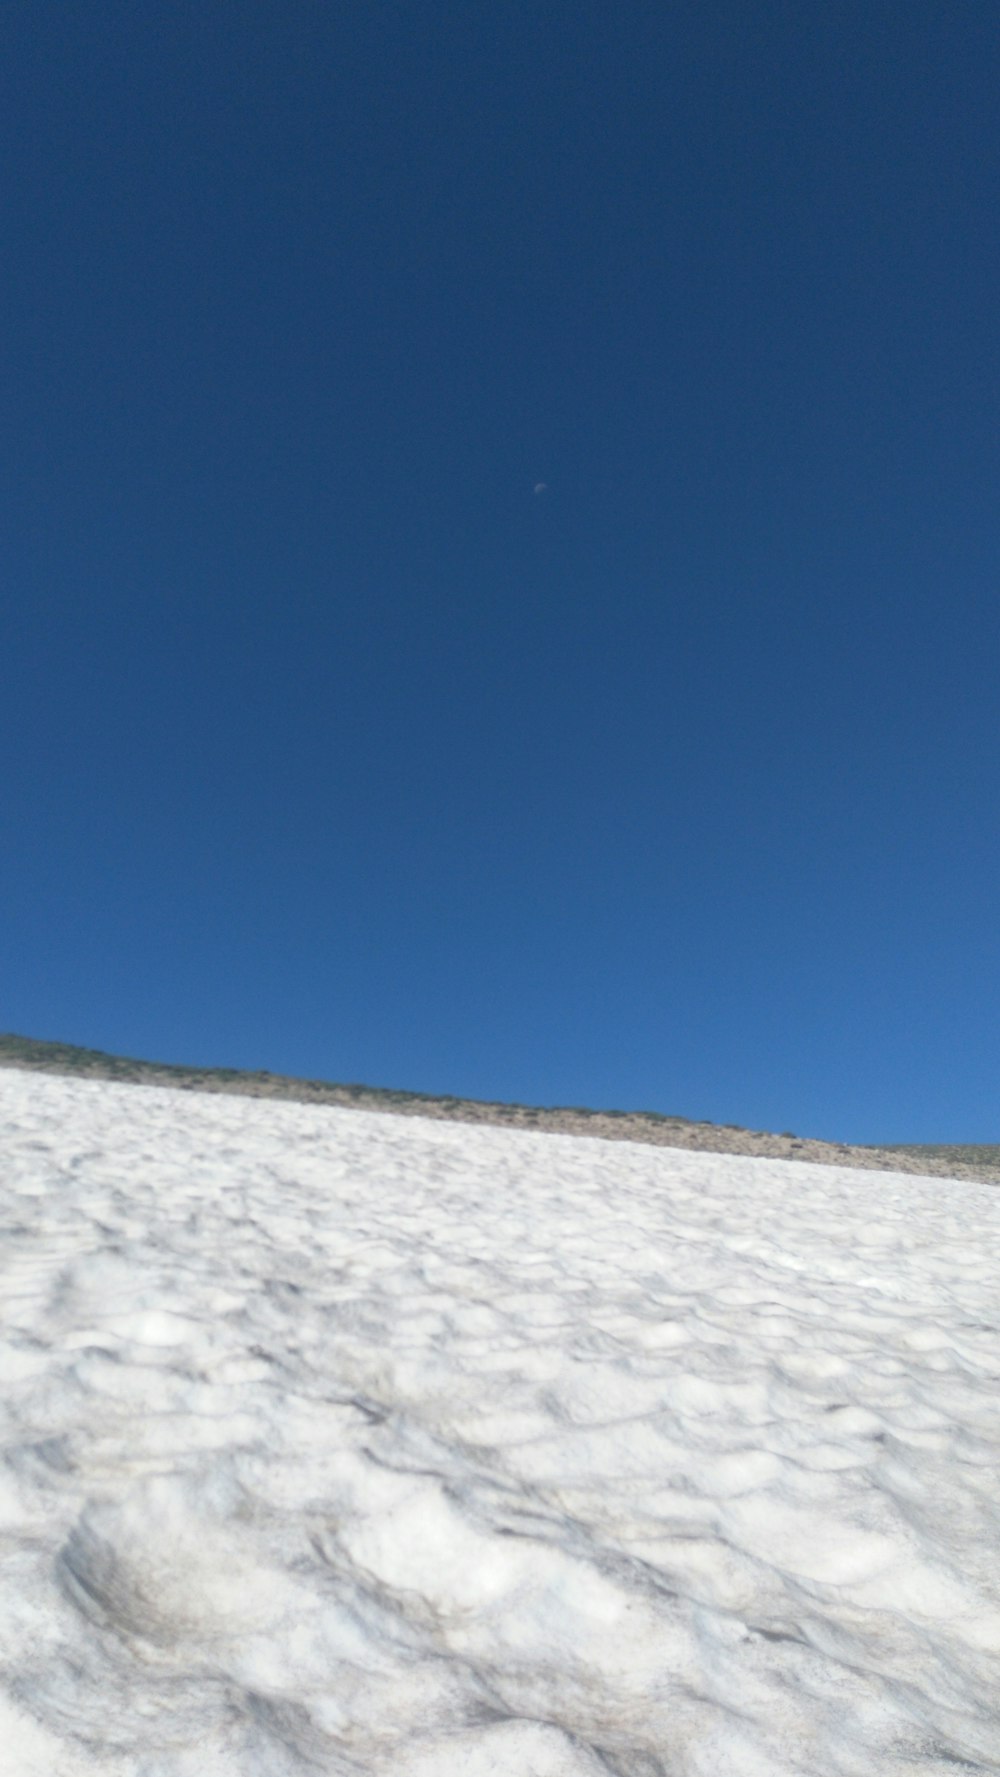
column 328, row 744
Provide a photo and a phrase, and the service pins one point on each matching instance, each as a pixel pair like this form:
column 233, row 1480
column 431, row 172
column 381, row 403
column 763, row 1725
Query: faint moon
column 541, row 487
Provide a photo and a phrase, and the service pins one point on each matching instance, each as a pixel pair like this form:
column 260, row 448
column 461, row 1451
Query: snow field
column 340, row 1442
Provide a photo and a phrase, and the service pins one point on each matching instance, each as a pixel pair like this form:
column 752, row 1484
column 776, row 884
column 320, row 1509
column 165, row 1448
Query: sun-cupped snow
column 338, row 1442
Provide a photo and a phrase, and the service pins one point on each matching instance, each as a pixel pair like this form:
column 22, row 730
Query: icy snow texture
column 337, row 1442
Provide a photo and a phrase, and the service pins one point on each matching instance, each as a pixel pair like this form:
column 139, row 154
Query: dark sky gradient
column 328, row 745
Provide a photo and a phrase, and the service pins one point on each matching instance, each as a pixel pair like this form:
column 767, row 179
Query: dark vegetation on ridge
column 97, row 1064
column 974, row 1161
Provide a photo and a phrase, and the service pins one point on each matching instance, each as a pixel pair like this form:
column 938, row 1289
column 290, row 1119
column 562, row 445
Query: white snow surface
column 337, row 1442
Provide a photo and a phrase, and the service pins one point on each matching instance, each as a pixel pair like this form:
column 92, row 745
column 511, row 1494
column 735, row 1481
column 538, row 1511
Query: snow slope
column 336, row 1442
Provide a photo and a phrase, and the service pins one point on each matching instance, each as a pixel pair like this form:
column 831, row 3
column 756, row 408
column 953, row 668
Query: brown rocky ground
column 971, row 1162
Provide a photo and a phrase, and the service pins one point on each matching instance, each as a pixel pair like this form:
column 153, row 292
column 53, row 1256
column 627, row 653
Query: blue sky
column 331, row 746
